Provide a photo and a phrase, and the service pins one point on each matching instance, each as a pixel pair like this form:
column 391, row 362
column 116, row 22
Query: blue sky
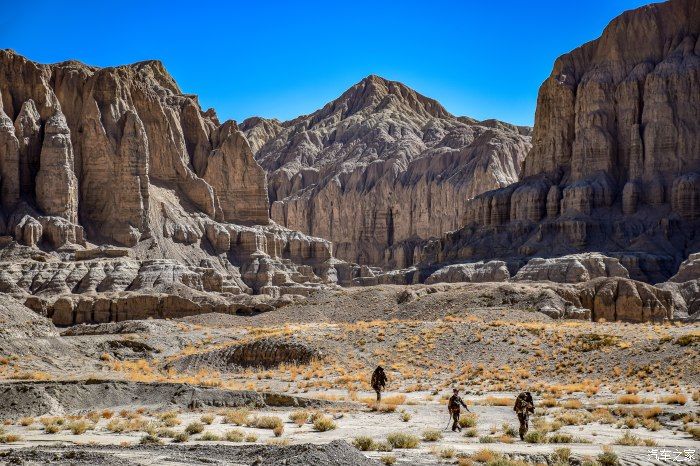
column 282, row 59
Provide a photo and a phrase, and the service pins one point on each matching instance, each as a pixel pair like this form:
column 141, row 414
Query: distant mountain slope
column 615, row 162
column 381, row 168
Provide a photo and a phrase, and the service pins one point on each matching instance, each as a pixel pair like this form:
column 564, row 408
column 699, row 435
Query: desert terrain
column 179, row 290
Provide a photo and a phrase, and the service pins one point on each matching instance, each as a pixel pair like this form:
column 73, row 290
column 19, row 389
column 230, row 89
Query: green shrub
column 209, row 437
column 150, row 440
column 487, row 439
column 471, row 433
column 384, row 446
column 468, row 420
column 181, row 437
column 299, row 417
column 608, row 457
column 207, row 419
column 234, row 435
column 562, row 455
column 402, row 440
column 79, row 426
column 559, row 438
column 509, row 430
column 388, row 460
column 364, row 443
column 268, row 422
column 432, row 435
column 323, row 424
column 535, row 436
column 194, row 428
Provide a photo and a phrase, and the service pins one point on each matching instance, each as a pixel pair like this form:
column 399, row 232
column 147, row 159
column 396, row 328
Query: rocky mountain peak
column 375, row 93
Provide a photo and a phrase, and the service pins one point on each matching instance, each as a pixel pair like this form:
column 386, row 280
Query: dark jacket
column 524, row 404
column 378, row 379
column 455, row 402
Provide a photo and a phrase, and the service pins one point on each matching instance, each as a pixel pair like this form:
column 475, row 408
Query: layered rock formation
column 92, row 160
column 572, row 269
column 90, row 144
column 685, row 287
column 380, row 168
column 615, row 161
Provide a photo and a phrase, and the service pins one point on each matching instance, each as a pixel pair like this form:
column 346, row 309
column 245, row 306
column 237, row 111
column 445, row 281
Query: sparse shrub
column 299, row 417
column 608, row 457
column 251, row 438
column 629, row 399
column 237, row 417
column 652, row 424
column 78, row 427
column 364, row 443
column 468, row 420
column 278, row 442
column 93, row 416
column 278, row 431
column 207, row 419
column 498, row 401
column 267, row 422
column 447, row 453
column 181, row 437
column 116, row 426
column 234, row 435
column 535, row 436
column 150, row 440
column 562, row 455
column 559, row 438
column 688, row 339
column 323, row 424
column 166, row 433
column 485, row 455
column 388, row 460
column 629, row 440
column 471, row 433
column 674, row 399
column 572, row 404
column 10, row 438
column 487, row 439
column 405, row 417
column 52, row 428
column 403, row 440
column 26, row 421
column 209, row 436
column 107, row 414
column 509, row 430
column 194, row 428
column 384, row 446
column 432, row 435
column 694, row 431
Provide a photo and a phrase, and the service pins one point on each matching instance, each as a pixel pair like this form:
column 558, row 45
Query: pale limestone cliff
column 615, row 161
column 381, row 168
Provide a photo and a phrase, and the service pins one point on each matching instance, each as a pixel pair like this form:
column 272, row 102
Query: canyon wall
column 97, row 158
column 615, row 159
column 381, row 168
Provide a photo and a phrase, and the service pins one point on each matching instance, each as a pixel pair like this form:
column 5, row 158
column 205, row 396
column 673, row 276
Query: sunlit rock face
column 381, row 168
column 615, row 159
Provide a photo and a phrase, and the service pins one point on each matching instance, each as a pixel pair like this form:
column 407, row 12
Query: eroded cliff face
column 615, row 162
column 381, row 168
column 121, row 157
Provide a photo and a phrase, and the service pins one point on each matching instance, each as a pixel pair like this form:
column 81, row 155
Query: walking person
column 378, row 382
column 524, row 406
column 453, row 406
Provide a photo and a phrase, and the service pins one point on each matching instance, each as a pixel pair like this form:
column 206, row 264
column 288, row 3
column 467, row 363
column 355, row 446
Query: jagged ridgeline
column 381, row 168
column 120, row 157
column 615, row 159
